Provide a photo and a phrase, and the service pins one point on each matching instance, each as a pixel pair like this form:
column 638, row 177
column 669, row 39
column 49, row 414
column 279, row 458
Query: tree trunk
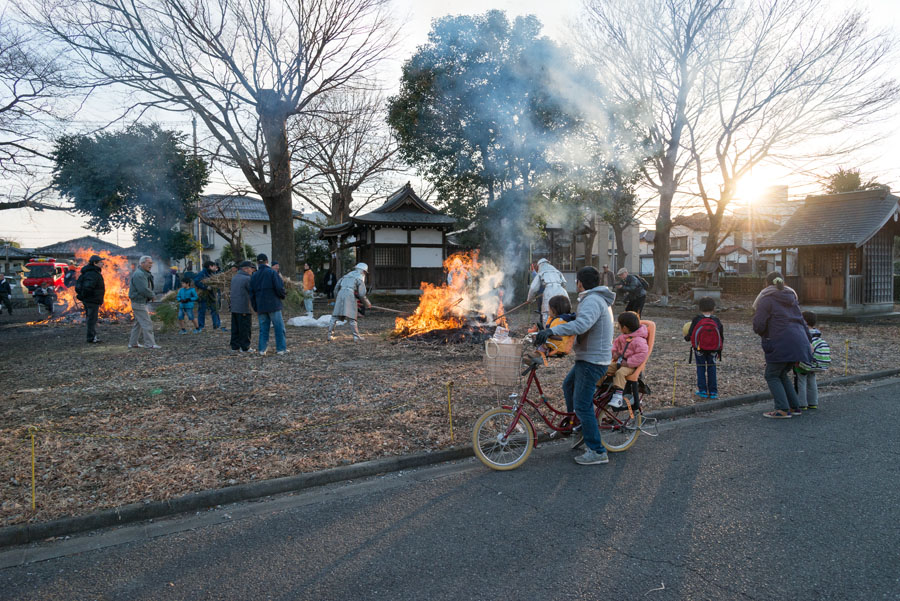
column 589, row 238
column 715, row 227
column 277, row 196
column 621, row 255
column 661, row 249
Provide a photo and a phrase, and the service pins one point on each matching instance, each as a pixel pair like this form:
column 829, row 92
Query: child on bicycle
column 630, row 350
column 560, row 312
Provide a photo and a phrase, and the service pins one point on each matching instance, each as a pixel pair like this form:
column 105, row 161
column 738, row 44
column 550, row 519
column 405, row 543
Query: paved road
column 731, row 506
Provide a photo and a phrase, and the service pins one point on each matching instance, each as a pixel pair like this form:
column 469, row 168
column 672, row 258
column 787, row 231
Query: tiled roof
column 403, row 208
column 14, row 253
column 233, row 206
column 851, row 218
column 699, row 222
column 727, row 250
column 69, row 247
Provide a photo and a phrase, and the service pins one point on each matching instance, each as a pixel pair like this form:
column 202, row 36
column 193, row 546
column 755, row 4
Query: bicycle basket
column 503, row 362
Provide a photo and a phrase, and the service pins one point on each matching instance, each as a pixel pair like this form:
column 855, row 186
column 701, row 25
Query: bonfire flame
column 116, row 273
column 449, row 305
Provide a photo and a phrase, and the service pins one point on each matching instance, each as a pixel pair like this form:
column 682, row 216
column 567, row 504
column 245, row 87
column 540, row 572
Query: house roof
column 648, row 235
column 727, row 250
column 403, row 208
column 14, row 252
column 851, row 218
column 235, row 206
column 699, row 222
column 69, row 247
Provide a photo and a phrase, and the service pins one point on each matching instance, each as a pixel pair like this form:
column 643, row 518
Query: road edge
column 21, row 534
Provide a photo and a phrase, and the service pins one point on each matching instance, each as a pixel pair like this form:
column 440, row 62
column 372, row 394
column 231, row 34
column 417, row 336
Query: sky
column 33, row 229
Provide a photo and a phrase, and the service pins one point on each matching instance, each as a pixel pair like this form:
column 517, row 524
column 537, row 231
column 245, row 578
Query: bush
column 293, row 302
column 167, row 314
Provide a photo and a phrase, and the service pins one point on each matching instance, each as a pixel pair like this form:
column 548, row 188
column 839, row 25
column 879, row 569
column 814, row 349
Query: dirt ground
column 119, row 426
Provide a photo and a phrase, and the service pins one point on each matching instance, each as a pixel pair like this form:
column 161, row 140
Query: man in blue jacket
column 593, row 326
column 266, row 293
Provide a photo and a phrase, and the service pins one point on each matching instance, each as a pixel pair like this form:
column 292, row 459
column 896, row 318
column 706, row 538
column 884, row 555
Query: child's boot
column 616, row 401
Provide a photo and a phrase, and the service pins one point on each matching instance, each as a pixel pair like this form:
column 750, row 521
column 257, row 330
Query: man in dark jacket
column 89, row 289
column 208, row 298
column 5, row 293
column 633, row 289
column 241, row 313
column 266, row 292
column 172, row 281
column 329, row 282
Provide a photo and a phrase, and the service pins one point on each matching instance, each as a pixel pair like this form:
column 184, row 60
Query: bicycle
column 504, row 437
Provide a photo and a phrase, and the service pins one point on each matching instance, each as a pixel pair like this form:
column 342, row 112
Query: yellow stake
column 674, row 379
column 846, row 354
column 450, row 408
column 32, row 430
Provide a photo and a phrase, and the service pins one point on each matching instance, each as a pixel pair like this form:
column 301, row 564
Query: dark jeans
column 240, row 331
column 329, row 291
column 91, row 312
column 578, row 389
column 4, row 298
column 779, row 381
column 213, row 310
column 706, row 372
column 636, row 304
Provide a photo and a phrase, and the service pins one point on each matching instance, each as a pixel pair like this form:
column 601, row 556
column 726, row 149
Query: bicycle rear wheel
column 497, row 450
column 618, row 431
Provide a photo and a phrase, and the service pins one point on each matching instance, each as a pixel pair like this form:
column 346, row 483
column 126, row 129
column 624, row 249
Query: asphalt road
column 730, row 506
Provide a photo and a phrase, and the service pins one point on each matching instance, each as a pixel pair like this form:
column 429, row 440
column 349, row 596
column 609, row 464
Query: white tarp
column 307, row 322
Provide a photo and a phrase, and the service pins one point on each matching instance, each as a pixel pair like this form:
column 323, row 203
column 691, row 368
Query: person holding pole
column 547, row 283
column 348, row 289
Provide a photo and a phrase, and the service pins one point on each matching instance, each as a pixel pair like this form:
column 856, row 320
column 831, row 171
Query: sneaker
column 249, row 350
column 592, row 457
column 138, row 345
column 701, row 394
column 616, row 401
column 713, row 395
column 263, row 353
column 329, row 338
column 154, row 346
column 795, row 412
column 94, row 341
column 284, row 352
column 183, row 332
column 224, row 329
column 813, row 407
column 197, row 331
column 357, row 339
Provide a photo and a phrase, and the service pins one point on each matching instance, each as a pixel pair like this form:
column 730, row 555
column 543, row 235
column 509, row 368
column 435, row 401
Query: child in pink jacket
column 630, row 349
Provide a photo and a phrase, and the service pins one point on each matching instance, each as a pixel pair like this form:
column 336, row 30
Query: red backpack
column 706, row 337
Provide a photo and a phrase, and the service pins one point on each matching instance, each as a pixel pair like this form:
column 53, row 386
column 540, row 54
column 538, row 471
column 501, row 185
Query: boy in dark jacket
column 241, row 314
column 707, row 337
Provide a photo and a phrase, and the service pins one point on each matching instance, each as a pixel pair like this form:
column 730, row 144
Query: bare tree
column 784, row 75
column 31, row 84
column 244, row 67
column 343, row 147
column 651, row 53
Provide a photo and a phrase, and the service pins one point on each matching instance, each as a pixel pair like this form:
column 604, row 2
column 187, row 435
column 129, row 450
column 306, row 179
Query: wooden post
column 846, row 280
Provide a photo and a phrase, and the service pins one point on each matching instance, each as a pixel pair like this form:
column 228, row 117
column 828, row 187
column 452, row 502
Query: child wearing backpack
column 807, row 389
column 707, row 336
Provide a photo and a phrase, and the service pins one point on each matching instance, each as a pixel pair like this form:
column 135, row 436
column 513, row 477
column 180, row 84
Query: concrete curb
column 26, row 533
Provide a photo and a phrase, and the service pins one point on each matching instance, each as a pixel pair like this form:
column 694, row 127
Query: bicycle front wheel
column 494, row 447
column 618, row 431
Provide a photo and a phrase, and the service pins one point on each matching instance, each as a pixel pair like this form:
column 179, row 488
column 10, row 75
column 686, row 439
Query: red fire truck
column 45, row 269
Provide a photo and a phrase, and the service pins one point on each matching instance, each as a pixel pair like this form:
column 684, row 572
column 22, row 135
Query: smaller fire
column 116, row 304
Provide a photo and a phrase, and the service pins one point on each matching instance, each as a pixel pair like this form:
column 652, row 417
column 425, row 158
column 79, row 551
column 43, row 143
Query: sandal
column 777, row 414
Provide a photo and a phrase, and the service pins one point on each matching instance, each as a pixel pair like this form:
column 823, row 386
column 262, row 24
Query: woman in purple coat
column 785, row 341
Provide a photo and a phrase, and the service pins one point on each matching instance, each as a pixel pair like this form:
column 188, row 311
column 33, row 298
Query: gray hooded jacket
column 593, row 326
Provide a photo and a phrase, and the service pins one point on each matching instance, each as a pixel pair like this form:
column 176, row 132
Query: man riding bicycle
column 593, row 326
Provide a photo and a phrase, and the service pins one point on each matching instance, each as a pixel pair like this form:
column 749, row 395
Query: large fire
column 116, row 273
column 467, row 290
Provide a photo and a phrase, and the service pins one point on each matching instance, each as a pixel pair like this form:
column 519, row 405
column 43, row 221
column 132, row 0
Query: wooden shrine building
column 404, row 242
column 845, row 252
